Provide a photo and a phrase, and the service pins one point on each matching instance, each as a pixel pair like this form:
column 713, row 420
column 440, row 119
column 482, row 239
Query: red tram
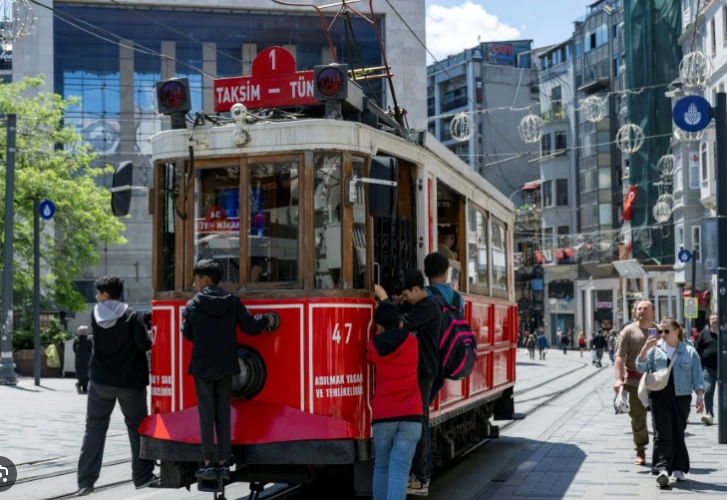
column 304, row 218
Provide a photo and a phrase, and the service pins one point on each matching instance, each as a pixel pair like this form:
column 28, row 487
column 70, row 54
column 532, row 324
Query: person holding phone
column 631, row 341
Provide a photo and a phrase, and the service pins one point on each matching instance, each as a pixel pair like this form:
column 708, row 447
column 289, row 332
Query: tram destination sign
column 274, row 83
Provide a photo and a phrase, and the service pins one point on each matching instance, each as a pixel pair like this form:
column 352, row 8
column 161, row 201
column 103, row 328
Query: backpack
column 457, row 341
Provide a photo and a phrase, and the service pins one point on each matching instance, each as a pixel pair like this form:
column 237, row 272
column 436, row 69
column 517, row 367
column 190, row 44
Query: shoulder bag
column 655, row 380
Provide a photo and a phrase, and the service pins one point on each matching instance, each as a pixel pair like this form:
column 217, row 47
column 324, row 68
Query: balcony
column 529, row 217
column 554, row 115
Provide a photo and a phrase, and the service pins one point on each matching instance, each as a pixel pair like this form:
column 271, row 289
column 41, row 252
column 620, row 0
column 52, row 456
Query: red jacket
column 395, row 355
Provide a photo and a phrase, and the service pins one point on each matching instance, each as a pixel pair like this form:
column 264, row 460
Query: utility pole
column 36, row 289
column 721, row 124
column 7, row 367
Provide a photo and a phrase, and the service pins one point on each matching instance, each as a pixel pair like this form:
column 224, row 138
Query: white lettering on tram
column 343, row 385
column 161, row 385
column 238, row 93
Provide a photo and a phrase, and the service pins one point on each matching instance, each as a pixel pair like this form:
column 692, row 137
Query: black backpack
column 457, row 341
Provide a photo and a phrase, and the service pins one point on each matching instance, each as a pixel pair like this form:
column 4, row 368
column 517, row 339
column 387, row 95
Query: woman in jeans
column 670, row 406
column 397, row 406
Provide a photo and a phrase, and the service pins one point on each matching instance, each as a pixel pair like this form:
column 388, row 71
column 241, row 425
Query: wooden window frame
column 498, row 292
column 474, row 288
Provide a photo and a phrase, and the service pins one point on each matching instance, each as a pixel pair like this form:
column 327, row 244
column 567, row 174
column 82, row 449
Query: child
column 436, row 267
column 82, row 348
column 397, row 406
column 211, row 321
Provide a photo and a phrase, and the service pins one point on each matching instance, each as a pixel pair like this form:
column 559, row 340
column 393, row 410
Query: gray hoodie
column 108, row 312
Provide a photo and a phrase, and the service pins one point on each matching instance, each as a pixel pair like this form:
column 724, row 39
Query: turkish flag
column 629, row 202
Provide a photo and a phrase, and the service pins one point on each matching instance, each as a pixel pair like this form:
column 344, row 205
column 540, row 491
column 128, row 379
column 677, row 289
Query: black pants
column 421, row 466
column 101, row 402
column 669, row 418
column 213, row 403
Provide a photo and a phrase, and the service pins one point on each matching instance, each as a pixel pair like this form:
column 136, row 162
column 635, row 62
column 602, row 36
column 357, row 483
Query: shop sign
column 604, row 304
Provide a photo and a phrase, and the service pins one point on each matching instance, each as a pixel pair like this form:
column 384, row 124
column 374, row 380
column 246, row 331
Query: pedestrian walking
column 211, row 319
column 118, row 371
column 397, row 405
column 530, row 344
column 599, row 344
column 425, row 320
column 564, row 341
column 612, row 340
column 630, row 342
column 670, row 405
column 82, row 348
column 581, row 342
column 706, row 347
column 542, row 345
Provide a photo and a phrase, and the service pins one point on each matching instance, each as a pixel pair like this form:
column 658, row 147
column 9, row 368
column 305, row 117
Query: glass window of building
column 561, row 192
column 680, row 237
column 556, row 104
column 616, row 65
column 724, row 24
column 217, row 219
column 273, row 239
column 604, row 178
column 545, row 145
column 561, row 142
column 563, row 236
column 713, row 31
column 498, row 242
column 705, row 164
column 327, row 217
column 478, row 260
column 605, row 214
column 548, row 193
column 578, row 49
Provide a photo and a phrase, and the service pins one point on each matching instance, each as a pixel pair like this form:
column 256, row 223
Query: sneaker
column 663, row 479
column 206, row 473
column 707, row 419
column 417, row 488
column 679, row 476
column 640, row 457
column 78, row 388
column 83, row 491
column 223, row 471
column 150, row 483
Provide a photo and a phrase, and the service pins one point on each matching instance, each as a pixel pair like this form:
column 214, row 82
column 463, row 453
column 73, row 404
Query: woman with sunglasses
column 670, row 406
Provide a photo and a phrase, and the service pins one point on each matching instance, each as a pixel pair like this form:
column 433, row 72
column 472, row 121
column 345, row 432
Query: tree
column 54, row 163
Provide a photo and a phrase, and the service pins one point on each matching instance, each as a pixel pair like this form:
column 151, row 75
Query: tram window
column 447, row 220
column 478, row 263
column 327, row 217
column 359, row 226
column 217, row 219
column 273, row 225
column 498, row 242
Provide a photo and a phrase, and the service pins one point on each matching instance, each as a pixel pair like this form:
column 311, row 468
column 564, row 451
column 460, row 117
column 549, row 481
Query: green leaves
column 54, row 163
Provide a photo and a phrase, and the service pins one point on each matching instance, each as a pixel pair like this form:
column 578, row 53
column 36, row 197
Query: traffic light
column 330, row 82
column 174, row 100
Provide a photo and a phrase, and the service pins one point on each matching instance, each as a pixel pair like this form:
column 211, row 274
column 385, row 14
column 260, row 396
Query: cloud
column 451, row 30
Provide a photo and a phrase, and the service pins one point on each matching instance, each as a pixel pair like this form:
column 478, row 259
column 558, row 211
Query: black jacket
column 599, row 341
column 119, row 350
column 706, row 347
column 425, row 320
column 82, row 348
column 211, row 321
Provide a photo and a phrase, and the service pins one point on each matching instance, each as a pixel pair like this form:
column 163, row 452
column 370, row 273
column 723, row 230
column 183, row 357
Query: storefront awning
column 629, row 268
column 702, row 297
column 531, row 185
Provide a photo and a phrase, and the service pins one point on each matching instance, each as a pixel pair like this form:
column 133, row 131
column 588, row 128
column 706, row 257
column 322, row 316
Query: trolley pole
column 721, row 130
column 7, row 367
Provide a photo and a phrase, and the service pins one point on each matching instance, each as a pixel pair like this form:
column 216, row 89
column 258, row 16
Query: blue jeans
column 611, row 355
column 394, row 447
column 710, row 382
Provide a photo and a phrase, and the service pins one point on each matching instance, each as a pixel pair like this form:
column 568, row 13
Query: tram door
column 395, row 233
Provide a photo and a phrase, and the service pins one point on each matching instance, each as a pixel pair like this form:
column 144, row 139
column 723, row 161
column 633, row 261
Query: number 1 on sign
column 272, row 59
column 337, row 332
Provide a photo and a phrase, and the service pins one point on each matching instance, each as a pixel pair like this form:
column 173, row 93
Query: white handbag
column 655, row 381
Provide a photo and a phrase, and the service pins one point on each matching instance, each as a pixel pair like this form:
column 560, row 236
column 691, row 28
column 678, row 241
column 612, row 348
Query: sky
column 454, row 25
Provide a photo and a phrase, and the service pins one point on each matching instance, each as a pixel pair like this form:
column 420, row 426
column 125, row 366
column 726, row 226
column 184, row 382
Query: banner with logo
column 709, row 246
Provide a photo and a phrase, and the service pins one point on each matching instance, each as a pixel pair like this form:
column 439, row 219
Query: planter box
column 24, row 362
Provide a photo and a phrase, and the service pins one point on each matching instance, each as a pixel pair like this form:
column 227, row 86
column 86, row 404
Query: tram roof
column 315, row 134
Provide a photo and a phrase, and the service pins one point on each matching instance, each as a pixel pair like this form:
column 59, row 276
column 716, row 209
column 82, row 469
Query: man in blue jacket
column 542, row 345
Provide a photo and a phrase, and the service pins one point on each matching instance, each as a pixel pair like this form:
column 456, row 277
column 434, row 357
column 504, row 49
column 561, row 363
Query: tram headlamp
column 330, row 83
column 174, row 100
column 251, row 379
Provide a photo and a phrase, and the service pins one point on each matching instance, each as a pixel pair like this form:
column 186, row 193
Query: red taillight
column 330, row 82
column 173, row 95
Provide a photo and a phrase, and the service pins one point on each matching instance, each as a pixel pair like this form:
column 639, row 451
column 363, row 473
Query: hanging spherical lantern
column 667, row 199
column 696, row 69
column 17, row 19
column 531, row 128
column 459, row 128
column 666, row 166
column 662, row 212
column 644, row 239
column 630, row 138
column 684, row 136
column 594, row 108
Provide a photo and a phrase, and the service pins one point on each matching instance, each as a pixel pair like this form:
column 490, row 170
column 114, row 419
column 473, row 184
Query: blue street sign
column 685, row 256
column 47, row 209
column 692, row 113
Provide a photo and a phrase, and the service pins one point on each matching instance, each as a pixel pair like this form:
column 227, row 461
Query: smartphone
column 652, row 332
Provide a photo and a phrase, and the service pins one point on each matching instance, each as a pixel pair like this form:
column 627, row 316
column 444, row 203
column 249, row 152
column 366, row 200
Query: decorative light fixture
column 630, row 138
column 662, row 213
column 696, row 69
column 531, row 128
column 667, row 199
column 684, row 136
column 594, row 108
column 17, row 19
column 666, row 166
column 644, row 238
column 460, row 127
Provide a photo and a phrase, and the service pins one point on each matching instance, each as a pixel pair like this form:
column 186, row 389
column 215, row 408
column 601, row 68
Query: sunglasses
column 665, row 332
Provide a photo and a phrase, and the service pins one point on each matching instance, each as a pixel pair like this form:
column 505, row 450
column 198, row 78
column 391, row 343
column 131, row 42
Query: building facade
column 199, row 40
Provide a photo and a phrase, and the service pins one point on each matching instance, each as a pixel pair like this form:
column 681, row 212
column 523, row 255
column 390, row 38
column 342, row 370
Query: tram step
column 216, row 486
